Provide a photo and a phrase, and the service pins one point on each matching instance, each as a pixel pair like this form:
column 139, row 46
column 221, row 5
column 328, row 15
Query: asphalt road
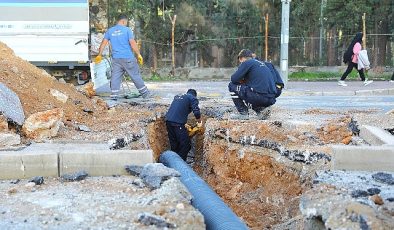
column 299, row 95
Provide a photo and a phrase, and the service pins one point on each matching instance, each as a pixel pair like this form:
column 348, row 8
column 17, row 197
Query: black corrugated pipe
column 217, row 215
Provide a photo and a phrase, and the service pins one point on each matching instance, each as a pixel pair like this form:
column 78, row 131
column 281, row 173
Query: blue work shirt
column 256, row 75
column 120, row 37
column 180, row 108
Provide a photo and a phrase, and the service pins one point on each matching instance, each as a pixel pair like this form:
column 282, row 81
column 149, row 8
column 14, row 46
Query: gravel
column 95, row 203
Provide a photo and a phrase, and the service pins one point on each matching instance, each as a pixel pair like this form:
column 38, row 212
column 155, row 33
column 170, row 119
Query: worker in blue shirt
column 254, row 84
column 176, row 118
column 123, row 44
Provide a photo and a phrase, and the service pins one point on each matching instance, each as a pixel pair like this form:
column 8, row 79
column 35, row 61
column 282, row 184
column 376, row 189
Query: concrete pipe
column 217, row 215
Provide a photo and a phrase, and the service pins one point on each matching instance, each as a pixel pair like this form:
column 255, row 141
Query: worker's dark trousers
column 179, row 139
column 243, row 93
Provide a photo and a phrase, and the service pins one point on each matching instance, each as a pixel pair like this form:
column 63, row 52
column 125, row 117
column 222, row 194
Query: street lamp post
column 284, row 41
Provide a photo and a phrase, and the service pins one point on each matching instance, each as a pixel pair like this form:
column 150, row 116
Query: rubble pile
column 37, row 90
column 360, row 200
column 97, row 203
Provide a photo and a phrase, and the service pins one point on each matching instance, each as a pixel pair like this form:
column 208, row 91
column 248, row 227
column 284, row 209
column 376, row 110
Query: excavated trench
column 259, row 168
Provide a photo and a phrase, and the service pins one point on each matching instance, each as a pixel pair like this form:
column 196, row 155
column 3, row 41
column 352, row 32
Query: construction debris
column 38, row 180
column 43, row 125
column 134, row 170
column 10, row 106
column 3, row 124
column 150, row 219
column 77, row 176
column 9, row 139
column 33, row 87
column 154, row 174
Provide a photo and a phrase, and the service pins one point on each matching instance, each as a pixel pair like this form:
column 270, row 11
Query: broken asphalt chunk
column 38, row 180
column 84, row 128
column 88, row 111
column 353, row 126
column 81, row 175
column 153, row 174
column 373, row 191
column 385, row 178
column 10, row 105
column 15, row 181
column 150, row 219
column 134, row 170
column 359, row 193
column 118, row 143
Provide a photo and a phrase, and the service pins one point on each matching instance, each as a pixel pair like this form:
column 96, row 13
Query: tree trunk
column 154, row 57
column 331, row 47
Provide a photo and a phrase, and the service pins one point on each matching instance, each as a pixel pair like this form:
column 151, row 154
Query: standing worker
column 254, row 84
column 176, row 118
column 350, row 58
column 122, row 42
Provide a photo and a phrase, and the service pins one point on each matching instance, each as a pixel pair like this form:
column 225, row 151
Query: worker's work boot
column 148, row 95
column 264, row 114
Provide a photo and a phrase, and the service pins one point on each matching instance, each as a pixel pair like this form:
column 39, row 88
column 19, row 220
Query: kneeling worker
column 176, row 118
column 254, row 84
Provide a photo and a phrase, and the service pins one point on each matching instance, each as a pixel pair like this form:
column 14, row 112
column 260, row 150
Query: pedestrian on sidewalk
column 176, row 118
column 252, row 85
column 392, row 78
column 121, row 39
column 351, row 59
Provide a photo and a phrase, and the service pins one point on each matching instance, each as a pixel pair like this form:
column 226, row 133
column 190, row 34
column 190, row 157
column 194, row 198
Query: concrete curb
column 376, row 136
column 103, row 163
column 372, row 92
column 363, row 158
column 53, row 160
column 19, row 165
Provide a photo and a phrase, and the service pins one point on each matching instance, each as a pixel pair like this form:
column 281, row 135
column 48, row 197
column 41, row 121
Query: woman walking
column 351, row 58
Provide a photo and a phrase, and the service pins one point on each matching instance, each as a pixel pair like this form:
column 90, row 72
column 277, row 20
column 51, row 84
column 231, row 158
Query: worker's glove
column 188, row 127
column 98, row 59
column 140, row 60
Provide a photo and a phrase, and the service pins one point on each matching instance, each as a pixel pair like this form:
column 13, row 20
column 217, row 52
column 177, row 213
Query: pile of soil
column 33, row 85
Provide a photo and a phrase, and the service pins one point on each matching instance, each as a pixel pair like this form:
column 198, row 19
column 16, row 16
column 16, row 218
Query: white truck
column 52, row 34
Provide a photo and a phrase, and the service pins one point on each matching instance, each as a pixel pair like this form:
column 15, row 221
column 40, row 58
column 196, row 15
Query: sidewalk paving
column 214, row 89
column 332, row 88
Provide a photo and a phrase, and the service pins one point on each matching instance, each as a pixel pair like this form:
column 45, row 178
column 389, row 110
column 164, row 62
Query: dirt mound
column 33, row 86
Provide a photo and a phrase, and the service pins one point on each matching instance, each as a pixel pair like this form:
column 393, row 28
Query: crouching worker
column 176, row 118
column 253, row 85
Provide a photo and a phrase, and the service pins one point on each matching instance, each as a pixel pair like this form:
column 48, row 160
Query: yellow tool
column 140, row 60
column 98, row 59
column 193, row 131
